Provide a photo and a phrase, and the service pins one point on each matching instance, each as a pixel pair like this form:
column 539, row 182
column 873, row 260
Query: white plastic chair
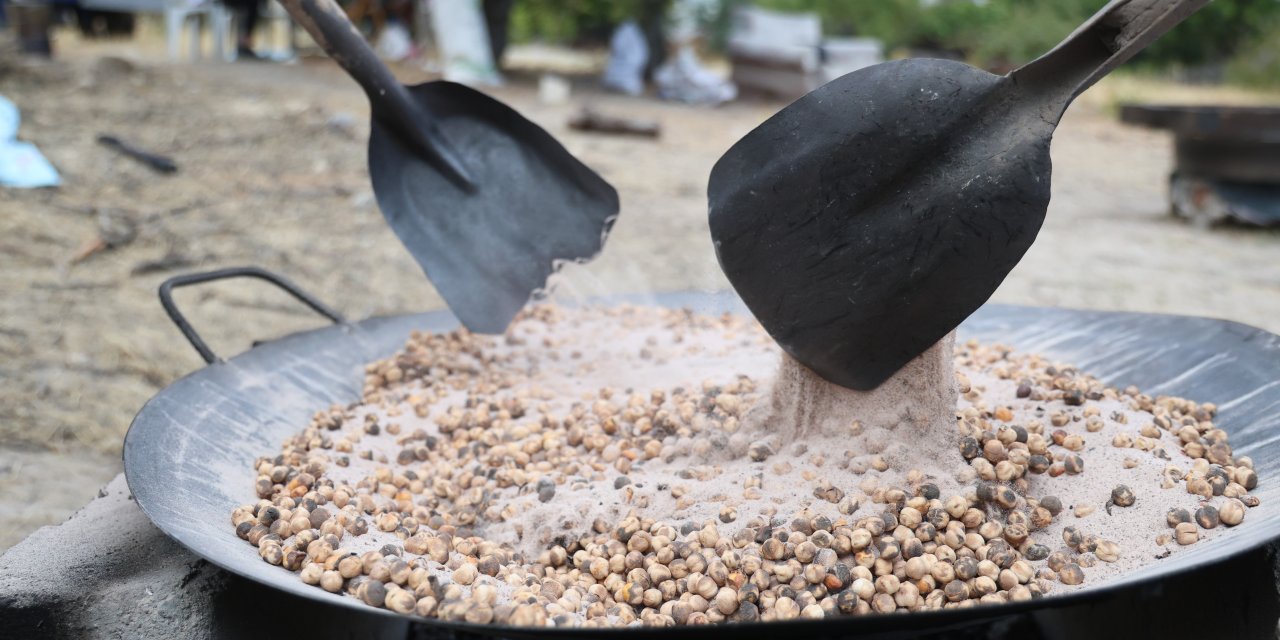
column 187, row 13
column 222, row 21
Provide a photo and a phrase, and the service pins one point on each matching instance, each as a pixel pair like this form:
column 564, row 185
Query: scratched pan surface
column 189, row 452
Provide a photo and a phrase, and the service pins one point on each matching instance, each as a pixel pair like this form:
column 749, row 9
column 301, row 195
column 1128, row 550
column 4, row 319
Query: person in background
column 248, row 11
column 497, row 17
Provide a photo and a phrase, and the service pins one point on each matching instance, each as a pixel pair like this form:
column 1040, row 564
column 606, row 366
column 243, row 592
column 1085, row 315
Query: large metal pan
column 188, row 457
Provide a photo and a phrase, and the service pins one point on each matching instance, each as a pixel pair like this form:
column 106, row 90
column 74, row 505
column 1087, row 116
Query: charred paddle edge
column 444, row 99
column 1056, row 331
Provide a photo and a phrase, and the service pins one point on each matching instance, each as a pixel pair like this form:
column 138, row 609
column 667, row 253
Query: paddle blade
column 865, row 221
column 534, row 207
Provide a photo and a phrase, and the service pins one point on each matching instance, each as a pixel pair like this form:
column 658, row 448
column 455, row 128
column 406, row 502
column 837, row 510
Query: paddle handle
column 1116, row 33
column 390, row 100
column 333, row 31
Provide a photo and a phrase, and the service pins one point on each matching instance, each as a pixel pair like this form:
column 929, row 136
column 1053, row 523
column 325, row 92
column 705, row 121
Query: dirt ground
column 272, row 173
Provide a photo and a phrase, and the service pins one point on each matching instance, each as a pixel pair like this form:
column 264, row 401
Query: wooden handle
column 1110, row 38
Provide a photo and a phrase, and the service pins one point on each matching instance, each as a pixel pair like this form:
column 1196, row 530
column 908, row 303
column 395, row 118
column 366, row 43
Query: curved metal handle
column 166, row 300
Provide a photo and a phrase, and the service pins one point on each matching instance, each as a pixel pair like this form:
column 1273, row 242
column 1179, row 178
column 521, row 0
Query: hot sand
column 823, row 434
column 639, row 415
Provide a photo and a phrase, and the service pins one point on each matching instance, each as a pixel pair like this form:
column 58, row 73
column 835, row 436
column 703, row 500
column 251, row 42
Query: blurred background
column 140, row 139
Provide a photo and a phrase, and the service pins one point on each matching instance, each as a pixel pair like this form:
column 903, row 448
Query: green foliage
column 999, row 33
column 898, row 23
column 990, row 33
column 576, row 21
column 1258, row 65
column 1216, row 33
column 1017, row 31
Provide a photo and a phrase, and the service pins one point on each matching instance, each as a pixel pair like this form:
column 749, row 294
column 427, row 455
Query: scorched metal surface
column 487, row 202
column 866, row 220
column 189, row 453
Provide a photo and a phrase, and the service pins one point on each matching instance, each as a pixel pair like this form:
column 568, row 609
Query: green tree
column 996, row 34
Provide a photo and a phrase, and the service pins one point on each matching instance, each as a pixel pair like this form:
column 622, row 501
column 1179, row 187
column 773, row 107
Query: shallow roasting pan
column 189, row 452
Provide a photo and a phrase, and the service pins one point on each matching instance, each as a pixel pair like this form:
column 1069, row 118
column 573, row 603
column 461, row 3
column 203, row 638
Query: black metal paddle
column 866, row 220
column 488, row 203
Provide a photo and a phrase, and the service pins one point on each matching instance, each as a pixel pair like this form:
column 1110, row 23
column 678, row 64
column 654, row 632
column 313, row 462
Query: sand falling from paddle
column 627, row 465
column 913, row 411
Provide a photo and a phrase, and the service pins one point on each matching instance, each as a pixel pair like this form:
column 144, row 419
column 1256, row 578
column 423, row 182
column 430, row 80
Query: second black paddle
column 866, row 220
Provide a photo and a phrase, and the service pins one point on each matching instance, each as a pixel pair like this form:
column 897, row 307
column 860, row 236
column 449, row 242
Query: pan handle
column 166, row 300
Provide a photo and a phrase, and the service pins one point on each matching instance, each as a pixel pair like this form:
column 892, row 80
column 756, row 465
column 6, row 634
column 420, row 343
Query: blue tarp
column 21, row 163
